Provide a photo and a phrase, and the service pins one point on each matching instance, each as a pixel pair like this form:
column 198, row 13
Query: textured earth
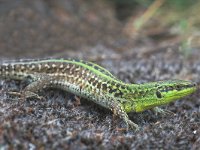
column 61, row 120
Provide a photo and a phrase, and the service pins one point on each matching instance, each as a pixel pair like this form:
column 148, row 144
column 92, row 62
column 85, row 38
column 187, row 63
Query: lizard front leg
column 118, row 110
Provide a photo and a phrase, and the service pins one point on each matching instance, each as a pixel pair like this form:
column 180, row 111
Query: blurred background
column 136, row 40
column 66, row 28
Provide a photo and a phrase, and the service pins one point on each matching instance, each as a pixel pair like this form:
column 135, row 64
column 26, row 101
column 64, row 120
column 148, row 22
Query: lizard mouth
column 181, row 94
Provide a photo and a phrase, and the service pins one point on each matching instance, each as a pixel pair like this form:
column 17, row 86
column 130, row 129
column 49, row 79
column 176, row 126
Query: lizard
column 93, row 82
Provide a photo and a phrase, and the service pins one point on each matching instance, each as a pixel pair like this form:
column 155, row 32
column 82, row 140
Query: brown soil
column 90, row 31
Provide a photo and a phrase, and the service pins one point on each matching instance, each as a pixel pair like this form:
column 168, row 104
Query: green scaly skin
column 95, row 83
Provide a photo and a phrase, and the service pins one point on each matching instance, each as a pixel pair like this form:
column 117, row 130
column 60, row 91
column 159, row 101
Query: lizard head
column 149, row 95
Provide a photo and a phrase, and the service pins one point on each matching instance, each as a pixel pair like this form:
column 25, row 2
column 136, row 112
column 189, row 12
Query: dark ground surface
column 74, row 29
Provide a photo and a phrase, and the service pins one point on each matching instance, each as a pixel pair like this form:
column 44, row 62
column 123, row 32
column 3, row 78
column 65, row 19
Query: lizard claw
column 132, row 125
column 29, row 94
column 14, row 93
column 162, row 111
column 25, row 95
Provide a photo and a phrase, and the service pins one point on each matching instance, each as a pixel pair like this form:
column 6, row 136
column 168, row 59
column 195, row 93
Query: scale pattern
column 95, row 83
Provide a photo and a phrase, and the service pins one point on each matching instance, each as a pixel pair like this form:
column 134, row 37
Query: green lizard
column 95, row 83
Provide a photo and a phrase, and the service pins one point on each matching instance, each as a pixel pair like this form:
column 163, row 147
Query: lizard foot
column 162, row 111
column 29, row 94
column 131, row 125
column 25, row 95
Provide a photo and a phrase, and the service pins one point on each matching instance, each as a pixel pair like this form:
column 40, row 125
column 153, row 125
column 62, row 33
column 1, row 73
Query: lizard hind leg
column 40, row 82
column 29, row 79
column 25, row 81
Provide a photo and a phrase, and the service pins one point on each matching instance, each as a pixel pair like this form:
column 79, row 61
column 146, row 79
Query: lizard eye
column 178, row 87
column 158, row 94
